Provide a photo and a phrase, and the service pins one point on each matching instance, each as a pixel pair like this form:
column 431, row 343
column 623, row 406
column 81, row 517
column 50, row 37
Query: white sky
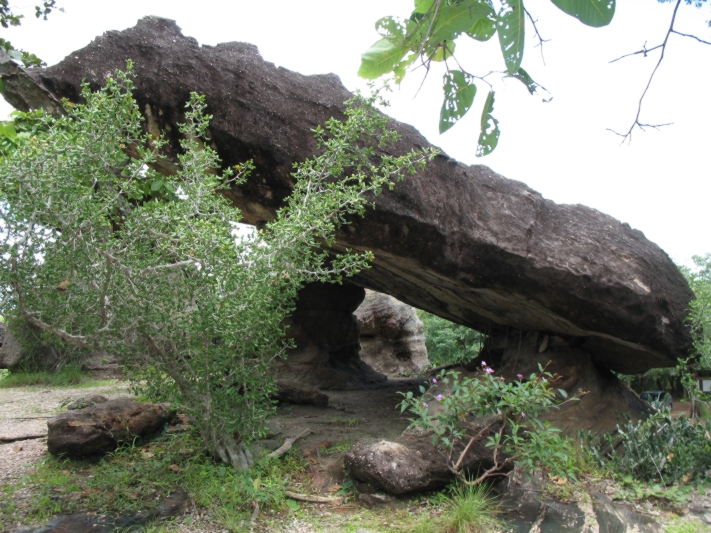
column 660, row 184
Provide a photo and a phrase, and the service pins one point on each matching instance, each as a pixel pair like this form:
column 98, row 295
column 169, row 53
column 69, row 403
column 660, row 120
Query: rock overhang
column 459, row 241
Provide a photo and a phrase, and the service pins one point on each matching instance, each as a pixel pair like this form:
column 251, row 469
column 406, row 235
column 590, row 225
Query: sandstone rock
column 13, row 354
column 100, row 428
column 290, row 391
column 392, row 339
column 326, row 335
column 459, row 241
column 411, row 464
column 85, row 401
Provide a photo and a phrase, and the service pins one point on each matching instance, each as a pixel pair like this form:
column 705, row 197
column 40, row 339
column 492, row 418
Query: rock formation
column 103, row 426
column 392, row 339
column 458, row 241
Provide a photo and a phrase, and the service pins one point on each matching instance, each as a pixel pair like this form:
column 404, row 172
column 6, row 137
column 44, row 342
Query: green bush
column 658, row 448
column 448, row 342
column 69, row 374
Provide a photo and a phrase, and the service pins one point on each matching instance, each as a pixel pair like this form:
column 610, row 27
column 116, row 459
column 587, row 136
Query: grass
column 70, row 375
column 137, row 478
column 469, row 510
column 350, row 422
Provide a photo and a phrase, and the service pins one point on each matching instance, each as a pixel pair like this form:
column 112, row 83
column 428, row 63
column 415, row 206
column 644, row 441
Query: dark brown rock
column 326, row 334
column 102, row 427
column 291, row 391
column 459, row 241
column 392, row 339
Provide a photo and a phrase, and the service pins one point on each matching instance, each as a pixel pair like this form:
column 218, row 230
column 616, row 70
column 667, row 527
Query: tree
column 100, row 251
column 9, row 18
column 431, row 32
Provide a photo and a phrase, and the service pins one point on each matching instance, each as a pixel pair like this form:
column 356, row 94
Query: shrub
column 505, row 414
column 448, row 342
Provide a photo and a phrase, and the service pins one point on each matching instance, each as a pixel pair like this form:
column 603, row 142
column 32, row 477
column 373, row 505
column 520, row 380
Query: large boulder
column 102, row 427
column 392, row 338
column 459, row 241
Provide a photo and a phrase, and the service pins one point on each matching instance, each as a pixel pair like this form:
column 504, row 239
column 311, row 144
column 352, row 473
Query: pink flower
column 523, row 415
column 545, row 380
column 489, row 370
column 423, row 403
column 483, row 363
column 438, row 397
column 434, row 380
column 519, row 376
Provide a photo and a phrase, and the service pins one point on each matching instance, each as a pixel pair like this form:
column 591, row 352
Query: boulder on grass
column 413, row 463
column 102, row 427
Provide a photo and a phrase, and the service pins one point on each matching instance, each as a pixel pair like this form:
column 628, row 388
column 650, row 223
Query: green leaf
column 484, row 29
column 523, row 76
column 381, row 58
column 511, row 28
column 459, row 93
column 595, row 13
column 157, row 185
column 453, row 20
column 421, row 6
column 563, row 393
column 489, row 136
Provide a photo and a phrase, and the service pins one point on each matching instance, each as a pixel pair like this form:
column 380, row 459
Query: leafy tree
column 433, row 29
column 9, row 18
column 101, row 252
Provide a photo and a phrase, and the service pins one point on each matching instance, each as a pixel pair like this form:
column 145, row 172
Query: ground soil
column 350, row 417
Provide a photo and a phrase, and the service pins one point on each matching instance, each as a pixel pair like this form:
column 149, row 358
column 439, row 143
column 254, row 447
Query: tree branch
column 541, row 40
column 637, row 124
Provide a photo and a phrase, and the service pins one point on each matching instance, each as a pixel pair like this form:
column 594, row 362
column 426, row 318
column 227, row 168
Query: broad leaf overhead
column 511, row 28
column 459, row 92
column 594, row 13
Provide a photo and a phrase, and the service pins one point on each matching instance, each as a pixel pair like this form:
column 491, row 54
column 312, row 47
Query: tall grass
column 69, row 374
column 470, row 510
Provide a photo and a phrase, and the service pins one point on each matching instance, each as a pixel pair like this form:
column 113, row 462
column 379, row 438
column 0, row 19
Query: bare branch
column 691, row 37
column 541, row 40
column 637, row 124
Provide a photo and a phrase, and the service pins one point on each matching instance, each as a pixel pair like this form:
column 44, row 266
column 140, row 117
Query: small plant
column 350, row 422
column 70, row 374
column 469, row 510
column 505, row 414
column 659, row 449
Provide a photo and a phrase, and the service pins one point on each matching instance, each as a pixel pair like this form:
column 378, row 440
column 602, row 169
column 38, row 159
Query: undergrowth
column 137, row 478
column 69, row 375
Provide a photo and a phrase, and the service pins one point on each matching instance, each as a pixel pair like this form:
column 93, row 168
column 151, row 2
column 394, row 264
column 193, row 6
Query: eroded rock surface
column 458, row 241
column 102, row 427
column 392, row 339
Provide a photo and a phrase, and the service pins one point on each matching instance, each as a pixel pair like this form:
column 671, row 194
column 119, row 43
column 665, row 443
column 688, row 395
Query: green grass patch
column 137, row 478
column 468, row 510
column 70, row 375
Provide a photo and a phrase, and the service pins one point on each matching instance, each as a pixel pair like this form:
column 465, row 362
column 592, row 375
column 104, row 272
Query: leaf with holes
column 484, row 29
column 595, row 13
column 511, row 28
column 524, row 77
column 459, row 93
column 489, row 136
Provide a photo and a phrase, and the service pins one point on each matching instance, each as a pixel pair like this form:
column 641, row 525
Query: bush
column 448, row 342
column 505, row 415
column 658, row 448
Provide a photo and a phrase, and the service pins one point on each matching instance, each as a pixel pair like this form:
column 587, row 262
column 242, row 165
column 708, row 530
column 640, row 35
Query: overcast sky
column 659, row 184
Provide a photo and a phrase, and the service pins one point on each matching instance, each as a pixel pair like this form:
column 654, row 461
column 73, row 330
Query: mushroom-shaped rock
column 459, row 241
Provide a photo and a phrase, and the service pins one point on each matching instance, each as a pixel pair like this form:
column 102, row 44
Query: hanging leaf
column 595, row 13
column 443, row 51
column 523, row 76
column 510, row 26
column 381, row 58
column 489, row 136
column 459, row 93
column 157, row 185
column 484, row 29
column 391, row 27
column 456, row 19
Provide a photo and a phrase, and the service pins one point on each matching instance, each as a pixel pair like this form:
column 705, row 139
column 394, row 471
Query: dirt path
column 23, row 422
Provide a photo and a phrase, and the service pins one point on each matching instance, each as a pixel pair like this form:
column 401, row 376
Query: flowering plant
column 465, row 410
